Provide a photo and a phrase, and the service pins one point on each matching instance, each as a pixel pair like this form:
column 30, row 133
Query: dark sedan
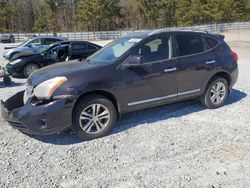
column 25, row 63
column 7, row 38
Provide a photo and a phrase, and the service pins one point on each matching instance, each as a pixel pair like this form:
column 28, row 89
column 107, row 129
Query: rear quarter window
column 189, row 44
column 211, row 42
column 92, row 47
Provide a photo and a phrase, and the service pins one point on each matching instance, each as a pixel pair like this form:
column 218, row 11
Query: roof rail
column 157, row 31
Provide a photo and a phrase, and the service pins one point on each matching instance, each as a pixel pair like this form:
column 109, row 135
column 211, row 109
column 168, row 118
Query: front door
column 155, row 80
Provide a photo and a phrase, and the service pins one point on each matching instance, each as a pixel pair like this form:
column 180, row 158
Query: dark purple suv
column 135, row 72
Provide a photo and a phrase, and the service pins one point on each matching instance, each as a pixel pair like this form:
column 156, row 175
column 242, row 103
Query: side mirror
column 134, row 60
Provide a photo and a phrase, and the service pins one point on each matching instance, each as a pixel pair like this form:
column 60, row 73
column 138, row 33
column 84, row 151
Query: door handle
column 210, row 62
column 170, row 70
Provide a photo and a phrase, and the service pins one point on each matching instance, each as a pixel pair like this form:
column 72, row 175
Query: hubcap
column 94, row 118
column 218, row 93
column 30, row 70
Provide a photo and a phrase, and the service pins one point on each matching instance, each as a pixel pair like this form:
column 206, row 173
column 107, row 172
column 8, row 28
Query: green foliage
column 150, row 9
column 248, row 10
column 52, row 18
column 55, row 4
column 39, row 26
column 169, row 9
column 211, row 11
column 92, row 14
column 7, row 11
column 71, row 15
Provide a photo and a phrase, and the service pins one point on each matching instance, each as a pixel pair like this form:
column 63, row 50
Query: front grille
column 16, row 125
column 20, row 127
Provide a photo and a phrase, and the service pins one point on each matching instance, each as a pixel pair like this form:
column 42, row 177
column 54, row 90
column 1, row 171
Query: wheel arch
column 103, row 93
column 29, row 63
column 224, row 75
column 32, row 62
column 221, row 74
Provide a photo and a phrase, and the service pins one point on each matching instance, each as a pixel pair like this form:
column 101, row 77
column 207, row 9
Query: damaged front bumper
column 39, row 119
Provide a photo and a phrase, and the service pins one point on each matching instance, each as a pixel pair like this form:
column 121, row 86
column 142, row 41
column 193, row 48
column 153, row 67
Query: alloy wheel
column 30, row 69
column 94, row 118
column 218, row 93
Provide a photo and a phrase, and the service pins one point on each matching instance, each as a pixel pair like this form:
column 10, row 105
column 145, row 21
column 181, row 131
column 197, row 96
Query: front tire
column 29, row 69
column 216, row 93
column 94, row 116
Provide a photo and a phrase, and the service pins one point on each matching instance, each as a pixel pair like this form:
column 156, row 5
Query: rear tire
column 216, row 93
column 29, row 69
column 94, row 116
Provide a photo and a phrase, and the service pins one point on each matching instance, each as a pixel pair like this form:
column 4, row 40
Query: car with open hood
column 25, row 63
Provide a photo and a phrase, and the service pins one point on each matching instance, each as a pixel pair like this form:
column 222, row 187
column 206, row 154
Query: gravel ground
column 177, row 145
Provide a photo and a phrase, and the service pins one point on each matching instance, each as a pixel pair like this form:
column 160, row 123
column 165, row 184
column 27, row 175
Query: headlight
column 15, row 61
column 28, row 93
column 46, row 88
column 9, row 51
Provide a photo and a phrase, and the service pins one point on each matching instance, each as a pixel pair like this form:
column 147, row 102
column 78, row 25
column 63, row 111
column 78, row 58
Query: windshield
column 110, row 53
column 25, row 42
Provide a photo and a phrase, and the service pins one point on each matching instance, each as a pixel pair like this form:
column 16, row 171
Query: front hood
column 10, row 47
column 19, row 49
column 67, row 69
column 24, row 54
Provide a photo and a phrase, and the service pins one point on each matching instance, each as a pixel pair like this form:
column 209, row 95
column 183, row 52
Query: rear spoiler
column 219, row 36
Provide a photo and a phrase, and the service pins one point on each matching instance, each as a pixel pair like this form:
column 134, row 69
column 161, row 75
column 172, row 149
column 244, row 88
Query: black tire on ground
column 208, row 98
column 27, row 70
column 85, row 104
column 7, row 80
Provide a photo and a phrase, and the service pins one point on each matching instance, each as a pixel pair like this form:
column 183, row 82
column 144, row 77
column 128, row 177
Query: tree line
column 96, row 15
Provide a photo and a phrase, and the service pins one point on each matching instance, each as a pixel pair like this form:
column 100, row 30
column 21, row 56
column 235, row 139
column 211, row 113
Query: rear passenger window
column 211, row 42
column 79, row 46
column 189, row 44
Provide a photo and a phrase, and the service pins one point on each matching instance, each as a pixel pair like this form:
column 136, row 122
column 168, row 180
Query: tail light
column 234, row 56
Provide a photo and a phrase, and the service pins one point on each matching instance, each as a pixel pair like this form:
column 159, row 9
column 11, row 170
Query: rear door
column 154, row 81
column 195, row 62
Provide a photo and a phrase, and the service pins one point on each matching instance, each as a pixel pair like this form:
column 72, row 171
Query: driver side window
column 156, row 49
column 53, row 50
column 35, row 42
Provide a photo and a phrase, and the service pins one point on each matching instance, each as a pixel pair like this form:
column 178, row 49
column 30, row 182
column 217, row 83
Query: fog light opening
column 43, row 124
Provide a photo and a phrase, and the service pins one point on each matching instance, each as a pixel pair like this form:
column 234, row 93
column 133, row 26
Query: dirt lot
column 177, row 145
